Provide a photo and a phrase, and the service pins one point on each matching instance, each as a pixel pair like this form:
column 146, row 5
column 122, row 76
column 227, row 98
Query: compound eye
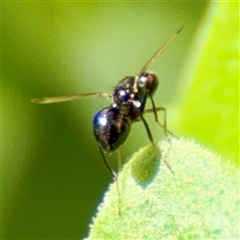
column 152, row 78
column 150, row 81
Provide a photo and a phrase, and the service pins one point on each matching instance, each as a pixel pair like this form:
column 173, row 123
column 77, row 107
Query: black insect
column 112, row 125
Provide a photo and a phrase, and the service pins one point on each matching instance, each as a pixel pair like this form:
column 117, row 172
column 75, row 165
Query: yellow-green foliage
column 210, row 105
column 199, row 201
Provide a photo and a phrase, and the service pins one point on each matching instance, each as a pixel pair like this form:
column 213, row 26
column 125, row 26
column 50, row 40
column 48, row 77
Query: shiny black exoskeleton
column 112, row 125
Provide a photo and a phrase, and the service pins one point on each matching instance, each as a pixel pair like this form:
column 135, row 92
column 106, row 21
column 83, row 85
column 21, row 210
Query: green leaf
column 199, row 201
column 208, row 110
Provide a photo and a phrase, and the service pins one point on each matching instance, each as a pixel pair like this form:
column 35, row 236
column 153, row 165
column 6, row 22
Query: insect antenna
column 159, row 51
column 65, row 98
column 154, row 57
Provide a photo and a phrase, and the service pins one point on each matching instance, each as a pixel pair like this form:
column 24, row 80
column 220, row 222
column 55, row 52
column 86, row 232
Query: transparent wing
column 47, row 100
column 159, row 51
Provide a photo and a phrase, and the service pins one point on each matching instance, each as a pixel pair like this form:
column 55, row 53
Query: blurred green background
column 53, row 175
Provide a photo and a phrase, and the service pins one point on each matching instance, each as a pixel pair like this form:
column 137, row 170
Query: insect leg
column 147, row 128
column 164, row 125
column 156, row 116
column 119, row 160
column 115, row 176
column 151, row 139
